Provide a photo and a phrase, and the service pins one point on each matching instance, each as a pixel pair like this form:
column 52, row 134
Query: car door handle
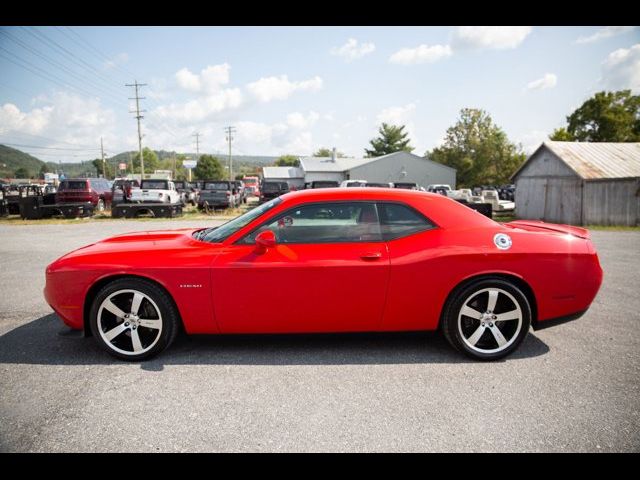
column 371, row 256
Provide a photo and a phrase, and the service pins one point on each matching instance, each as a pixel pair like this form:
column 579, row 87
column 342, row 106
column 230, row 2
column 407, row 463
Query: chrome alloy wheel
column 129, row 322
column 490, row 320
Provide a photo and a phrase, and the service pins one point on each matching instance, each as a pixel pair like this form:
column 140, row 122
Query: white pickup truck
column 155, row 191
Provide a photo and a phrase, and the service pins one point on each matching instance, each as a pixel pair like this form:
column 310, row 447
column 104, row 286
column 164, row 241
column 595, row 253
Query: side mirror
column 264, row 241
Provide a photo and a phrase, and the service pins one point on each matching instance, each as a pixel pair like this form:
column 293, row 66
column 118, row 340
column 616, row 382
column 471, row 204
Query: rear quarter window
column 73, row 185
column 398, row 220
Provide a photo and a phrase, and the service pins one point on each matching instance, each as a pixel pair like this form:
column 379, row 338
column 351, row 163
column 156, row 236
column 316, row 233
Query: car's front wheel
column 133, row 319
column 488, row 319
column 100, row 206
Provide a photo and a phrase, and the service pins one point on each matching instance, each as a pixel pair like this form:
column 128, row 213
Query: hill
column 12, row 159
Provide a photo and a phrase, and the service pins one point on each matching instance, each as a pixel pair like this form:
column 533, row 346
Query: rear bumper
column 552, row 322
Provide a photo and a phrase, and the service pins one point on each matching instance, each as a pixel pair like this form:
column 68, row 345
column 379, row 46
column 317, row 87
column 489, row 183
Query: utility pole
column 104, row 164
column 197, row 135
column 230, row 131
column 138, row 117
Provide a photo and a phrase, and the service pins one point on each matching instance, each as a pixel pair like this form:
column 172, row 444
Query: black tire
column 474, row 292
column 100, row 207
column 170, row 319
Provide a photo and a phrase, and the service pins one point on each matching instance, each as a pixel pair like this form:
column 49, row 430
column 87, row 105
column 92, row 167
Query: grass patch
column 613, row 228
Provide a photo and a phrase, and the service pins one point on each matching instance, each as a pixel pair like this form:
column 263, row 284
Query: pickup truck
column 218, row 193
column 188, row 192
column 155, row 191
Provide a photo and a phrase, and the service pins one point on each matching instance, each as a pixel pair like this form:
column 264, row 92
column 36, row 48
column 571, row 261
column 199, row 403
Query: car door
column 327, row 273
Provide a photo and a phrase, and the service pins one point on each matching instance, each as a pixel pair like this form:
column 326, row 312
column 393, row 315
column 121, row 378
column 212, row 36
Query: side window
column 397, row 220
column 324, row 223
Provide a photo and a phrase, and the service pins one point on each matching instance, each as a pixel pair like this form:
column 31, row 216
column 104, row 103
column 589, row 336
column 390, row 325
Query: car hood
column 139, row 241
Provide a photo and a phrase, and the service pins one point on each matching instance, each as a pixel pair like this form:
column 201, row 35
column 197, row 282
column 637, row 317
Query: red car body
column 397, row 285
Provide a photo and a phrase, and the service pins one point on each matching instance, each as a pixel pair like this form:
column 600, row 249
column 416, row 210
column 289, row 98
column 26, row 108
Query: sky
column 292, row 90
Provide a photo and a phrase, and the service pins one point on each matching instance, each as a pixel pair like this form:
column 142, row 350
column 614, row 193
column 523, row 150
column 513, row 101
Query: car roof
column 445, row 211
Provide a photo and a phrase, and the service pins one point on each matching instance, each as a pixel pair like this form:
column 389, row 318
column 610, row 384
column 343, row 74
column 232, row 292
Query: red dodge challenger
column 331, row 260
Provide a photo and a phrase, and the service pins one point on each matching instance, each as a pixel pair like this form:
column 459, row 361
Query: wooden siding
column 557, row 200
column 612, row 202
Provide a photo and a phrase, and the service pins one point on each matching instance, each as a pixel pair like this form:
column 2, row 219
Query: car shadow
column 45, row 341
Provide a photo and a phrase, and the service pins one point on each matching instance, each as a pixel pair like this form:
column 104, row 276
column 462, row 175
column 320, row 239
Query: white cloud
column 273, row 139
column 396, row 115
column 352, row 50
column 280, row 88
column 604, row 32
column 204, row 108
column 421, row 54
column 116, row 60
column 549, row 80
column 621, row 69
column 490, row 37
column 66, row 119
column 209, row 81
column 298, row 120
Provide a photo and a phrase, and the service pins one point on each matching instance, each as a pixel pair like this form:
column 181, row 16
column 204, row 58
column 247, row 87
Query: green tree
column 288, row 161
column 151, row 161
column 392, row 138
column 43, row 170
column 207, row 167
column 478, row 149
column 22, row 173
column 607, row 117
column 103, row 169
column 326, row 152
column 561, row 135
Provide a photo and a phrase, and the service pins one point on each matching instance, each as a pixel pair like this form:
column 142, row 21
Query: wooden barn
column 580, row 183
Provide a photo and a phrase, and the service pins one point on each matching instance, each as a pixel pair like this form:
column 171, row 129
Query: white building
column 394, row 167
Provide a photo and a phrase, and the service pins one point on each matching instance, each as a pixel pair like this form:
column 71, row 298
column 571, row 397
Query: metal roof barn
column 580, row 183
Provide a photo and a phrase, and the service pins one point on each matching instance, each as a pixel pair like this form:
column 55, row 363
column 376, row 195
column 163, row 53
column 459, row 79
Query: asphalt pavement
column 574, row 387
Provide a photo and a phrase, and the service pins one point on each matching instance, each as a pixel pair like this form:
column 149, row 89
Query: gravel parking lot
column 570, row 388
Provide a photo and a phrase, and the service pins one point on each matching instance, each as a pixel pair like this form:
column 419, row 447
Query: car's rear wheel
column 133, row 319
column 488, row 319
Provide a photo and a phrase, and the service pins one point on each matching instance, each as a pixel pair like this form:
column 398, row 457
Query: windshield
column 272, row 187
column 74, row 185
column 217, row 186
column 221, row 233
column 156, row 185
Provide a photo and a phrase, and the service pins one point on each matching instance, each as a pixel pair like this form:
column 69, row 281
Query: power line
column 60, row 66
column 56, row 47
column 18, row 133
column 91, row 47
column 138, row 117
column 49, row 148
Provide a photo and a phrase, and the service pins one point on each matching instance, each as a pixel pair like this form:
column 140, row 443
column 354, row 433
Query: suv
column 96, row 191
column 270, row 190
column 218, row 193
